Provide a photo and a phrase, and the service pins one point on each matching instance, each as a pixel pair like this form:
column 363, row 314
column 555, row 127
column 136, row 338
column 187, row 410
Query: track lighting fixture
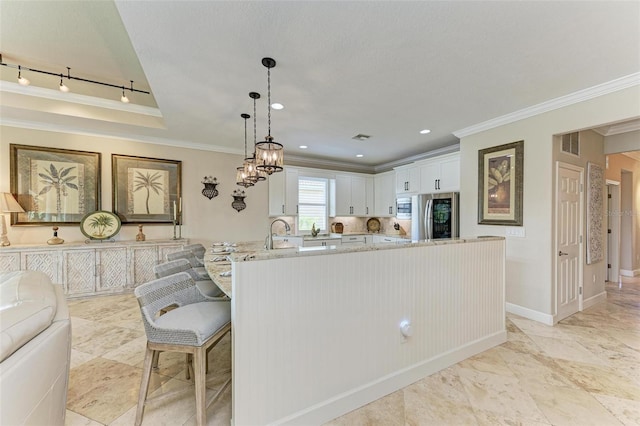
column 269, row 154
column 124, row 98
column 21, row 80
column 62, row 87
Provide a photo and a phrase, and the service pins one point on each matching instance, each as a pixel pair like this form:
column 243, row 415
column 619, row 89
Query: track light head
column 63, row 87
column 21, row 80
column 124, row 98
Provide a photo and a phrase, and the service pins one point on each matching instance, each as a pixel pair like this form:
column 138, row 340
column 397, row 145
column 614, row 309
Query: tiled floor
column 584, row 371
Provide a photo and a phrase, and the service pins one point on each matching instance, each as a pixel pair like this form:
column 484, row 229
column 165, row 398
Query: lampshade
column 8, row 204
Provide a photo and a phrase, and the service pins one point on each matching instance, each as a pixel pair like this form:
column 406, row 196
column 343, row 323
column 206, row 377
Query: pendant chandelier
column 241, row 176
column 251, row 165
column 269, row 154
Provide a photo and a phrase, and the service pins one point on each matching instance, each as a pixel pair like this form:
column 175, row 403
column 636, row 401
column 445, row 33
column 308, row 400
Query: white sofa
column 35, row 348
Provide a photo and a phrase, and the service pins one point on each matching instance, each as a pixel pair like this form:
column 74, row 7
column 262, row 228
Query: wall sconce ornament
column 210, row 184
column 238, row 200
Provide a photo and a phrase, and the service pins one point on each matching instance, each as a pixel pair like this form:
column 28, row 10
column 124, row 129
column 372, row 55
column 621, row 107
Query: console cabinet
column 91, row 269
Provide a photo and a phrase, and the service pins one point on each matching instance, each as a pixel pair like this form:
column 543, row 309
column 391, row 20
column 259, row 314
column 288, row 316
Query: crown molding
column 425, row 155
column 301, row 161
column 553, row 104
column 75, row 98
column 175, row 143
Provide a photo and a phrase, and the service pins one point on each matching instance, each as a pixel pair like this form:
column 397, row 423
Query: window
column 312, row 203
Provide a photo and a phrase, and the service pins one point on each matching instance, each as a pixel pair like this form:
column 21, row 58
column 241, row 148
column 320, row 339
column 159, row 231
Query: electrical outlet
column 515, row 231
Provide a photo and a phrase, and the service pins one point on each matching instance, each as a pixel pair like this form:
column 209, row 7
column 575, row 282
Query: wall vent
column 361, row 137
column 571, row 143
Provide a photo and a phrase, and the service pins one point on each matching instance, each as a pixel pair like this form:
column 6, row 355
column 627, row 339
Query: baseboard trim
column 628, row 273
column 362, row 395
column 594, row 300
column 530, row 314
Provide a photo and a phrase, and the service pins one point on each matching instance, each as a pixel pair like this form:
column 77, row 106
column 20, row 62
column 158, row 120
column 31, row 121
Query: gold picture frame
column 146, row 190
column 500, row 189
column 54, row 186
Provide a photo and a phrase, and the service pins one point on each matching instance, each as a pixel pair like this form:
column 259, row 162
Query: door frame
column 580, row 169
column 613, row 223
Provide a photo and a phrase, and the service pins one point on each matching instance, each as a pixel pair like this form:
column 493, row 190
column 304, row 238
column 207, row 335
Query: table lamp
column 8, row 204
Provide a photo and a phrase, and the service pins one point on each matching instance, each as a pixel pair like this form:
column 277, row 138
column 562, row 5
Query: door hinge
column 580, row 288
column 608, row 231
column 609, row 265
column 608, row 195
column 580, row 239
column 581, row 188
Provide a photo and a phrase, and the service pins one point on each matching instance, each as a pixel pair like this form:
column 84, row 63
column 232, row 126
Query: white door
column 568, row 251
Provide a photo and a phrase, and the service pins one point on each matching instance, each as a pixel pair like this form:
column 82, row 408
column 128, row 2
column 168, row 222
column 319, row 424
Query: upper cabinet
column 440, row 174
column 407, row 179
column 283, row 193
column 354, row 195
column 385, row 194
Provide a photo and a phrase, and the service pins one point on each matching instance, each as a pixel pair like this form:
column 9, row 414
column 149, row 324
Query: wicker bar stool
column 207, row 287
column 194, row 326
column 198, row 251
column 195, row 263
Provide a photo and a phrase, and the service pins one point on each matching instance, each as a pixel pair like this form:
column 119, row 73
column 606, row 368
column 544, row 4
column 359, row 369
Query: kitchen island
column 320, row 331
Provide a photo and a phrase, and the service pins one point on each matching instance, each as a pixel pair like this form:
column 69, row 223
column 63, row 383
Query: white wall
column 529, row 268
column 205, row 220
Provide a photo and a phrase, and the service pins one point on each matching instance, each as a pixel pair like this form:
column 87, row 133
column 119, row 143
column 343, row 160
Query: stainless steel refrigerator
column 435, row 216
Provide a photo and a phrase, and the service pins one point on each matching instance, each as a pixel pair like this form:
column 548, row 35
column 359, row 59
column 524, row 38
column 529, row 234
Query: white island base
column 318, row 334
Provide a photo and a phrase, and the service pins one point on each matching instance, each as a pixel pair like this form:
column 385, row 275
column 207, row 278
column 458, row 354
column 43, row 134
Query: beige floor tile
column 626, row 411
column 75, row 419
column 102, row 389
column 388, row 410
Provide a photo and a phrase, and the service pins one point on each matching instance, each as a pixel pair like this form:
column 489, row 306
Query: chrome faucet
column 269, row 241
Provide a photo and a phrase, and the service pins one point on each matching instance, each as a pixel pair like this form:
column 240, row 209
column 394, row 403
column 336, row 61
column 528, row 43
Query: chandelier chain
column 269, row 98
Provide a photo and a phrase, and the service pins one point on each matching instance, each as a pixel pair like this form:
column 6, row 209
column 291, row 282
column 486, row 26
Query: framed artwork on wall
column 53, row 186
column 500, row 172
column 146, row 190
column 595, row 218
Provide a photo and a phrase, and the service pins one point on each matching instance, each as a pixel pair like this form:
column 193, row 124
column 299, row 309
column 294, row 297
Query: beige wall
column 205, row 220
column 529, row 270
column 630, row 208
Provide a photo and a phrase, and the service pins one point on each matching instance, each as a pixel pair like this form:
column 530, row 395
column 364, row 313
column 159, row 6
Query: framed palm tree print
column 53, row 186
column 146, row 190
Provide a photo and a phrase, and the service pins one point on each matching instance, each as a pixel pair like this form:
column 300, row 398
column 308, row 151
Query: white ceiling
column 386, row 69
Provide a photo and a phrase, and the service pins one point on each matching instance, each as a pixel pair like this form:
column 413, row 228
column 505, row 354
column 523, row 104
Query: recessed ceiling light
column 303, row 147
column 276, row 105
column 425, row 131
column 359, row 155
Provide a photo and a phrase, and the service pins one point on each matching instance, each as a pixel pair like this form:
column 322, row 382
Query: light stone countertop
column 254, row 250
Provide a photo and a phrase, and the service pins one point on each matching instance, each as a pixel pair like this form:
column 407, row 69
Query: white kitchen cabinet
column 385, row 194
column 353, row 195
column 283, row 193
column 407, row 179
column 440, row 174
column 354, row 239
column 379, row 239
column 90, row 269
column 322, row 242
